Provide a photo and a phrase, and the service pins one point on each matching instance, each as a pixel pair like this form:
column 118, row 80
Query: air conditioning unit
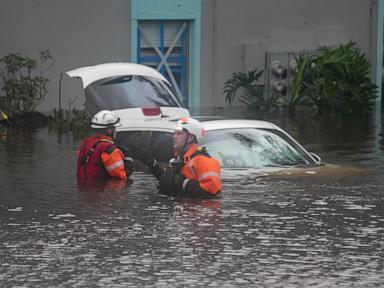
column 280, row 68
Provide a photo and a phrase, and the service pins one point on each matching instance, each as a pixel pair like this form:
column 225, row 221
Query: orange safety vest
column 205, row 170
column 98, row 158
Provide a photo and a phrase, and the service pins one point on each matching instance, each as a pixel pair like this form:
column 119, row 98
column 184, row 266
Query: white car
column 236, row 143
column 148, row 109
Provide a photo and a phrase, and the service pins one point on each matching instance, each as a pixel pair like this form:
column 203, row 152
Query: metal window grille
column 163, row 45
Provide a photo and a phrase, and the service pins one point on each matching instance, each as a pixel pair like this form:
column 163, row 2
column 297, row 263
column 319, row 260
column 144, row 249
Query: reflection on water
column 314, row 227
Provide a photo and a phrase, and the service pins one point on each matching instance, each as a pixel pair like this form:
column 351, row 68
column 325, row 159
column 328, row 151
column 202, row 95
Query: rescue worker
column 98, row 157
column 192, row 173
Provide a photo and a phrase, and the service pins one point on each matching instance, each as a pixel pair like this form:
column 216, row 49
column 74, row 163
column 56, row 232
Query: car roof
column 90, row 74
column 167, row 125
column 237, row 123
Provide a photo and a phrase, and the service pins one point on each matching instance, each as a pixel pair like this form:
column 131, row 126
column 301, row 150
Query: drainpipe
column 214, row 45
column 378, row 48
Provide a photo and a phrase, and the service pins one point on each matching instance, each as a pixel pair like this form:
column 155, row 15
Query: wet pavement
column 309, row 228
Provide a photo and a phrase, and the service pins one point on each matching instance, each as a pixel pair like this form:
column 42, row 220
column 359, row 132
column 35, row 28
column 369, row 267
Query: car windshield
column 254, row 148
column 130, row 91
column 234, row 148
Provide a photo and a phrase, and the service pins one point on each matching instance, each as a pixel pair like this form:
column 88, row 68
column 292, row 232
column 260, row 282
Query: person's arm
column 145, row 157
column 128, row 165
column 192, row 188
column 155, row 169
column 128, row 160
column 114, row 163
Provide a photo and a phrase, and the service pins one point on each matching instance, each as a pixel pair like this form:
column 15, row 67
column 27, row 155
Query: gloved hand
column 176, row 163
column 128, row 163
column 124, row 149
column 146, row 157
column 143, row 155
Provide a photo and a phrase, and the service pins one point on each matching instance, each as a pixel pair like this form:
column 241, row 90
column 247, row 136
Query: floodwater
column 313, row 228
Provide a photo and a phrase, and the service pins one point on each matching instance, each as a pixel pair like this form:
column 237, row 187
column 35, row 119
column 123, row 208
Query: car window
column 130, row 91
column 161, row 145
column 253, row 148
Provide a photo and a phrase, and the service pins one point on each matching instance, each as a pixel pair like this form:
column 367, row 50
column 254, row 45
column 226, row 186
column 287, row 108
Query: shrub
column 246, row 83
column 336, row 82
column 22, row 88
column 76, row 121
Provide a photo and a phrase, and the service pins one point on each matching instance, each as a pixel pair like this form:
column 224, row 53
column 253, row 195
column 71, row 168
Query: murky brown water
column 310, row 228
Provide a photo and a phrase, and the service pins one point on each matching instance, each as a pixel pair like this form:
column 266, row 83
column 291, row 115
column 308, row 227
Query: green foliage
column 246, row 83
column 297, row 84
column 80, row 120
column 336, row 82
column 76, row 121
column 22, row 87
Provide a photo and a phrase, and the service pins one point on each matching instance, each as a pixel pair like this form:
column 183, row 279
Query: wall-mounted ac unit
column 280, row 68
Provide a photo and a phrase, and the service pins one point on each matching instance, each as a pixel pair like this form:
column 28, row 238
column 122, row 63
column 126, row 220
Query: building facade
column 196, row 44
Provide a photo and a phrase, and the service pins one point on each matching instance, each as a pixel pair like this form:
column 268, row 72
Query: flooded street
column 320, row 227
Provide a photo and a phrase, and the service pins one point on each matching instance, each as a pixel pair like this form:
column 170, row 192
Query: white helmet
column 192, row 126
column 105, row 119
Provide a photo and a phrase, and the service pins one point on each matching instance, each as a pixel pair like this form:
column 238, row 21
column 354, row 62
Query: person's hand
column 126, row 151
column 143, row 155
column 128, row 163
column 176, row 163
column 146, row 157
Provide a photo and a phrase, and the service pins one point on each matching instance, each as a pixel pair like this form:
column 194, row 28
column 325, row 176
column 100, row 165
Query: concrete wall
column 77, row 32
column 229, row 26
column 235, row 35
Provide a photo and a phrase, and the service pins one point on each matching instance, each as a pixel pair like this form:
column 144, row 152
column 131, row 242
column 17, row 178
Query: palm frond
column 245, row 82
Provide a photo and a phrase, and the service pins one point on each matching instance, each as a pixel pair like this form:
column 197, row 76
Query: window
column 163, row 45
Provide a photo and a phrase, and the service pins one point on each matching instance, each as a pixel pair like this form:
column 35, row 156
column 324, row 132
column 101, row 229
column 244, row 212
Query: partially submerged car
column 148, row 109
column 236, row 143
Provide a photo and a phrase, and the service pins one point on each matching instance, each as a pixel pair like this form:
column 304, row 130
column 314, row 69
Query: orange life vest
column 98, row 158
column 205, row 170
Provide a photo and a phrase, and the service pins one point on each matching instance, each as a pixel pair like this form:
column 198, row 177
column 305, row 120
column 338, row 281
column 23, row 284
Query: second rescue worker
column 192, row 173
column 98, row 157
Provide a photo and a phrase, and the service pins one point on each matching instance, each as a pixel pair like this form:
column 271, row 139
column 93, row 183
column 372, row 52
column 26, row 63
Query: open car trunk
column 119, row 87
